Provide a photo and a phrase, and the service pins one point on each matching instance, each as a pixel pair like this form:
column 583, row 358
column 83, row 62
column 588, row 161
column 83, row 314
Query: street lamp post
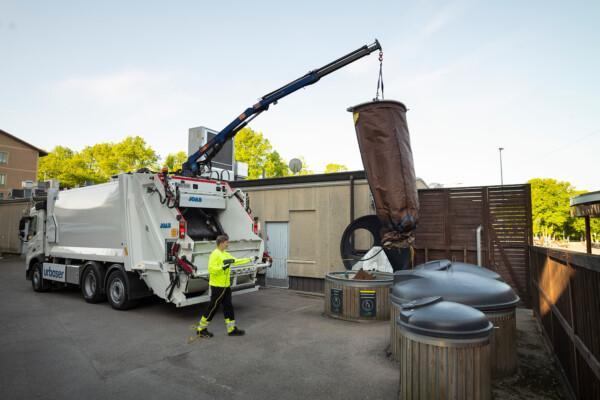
column 501, row 176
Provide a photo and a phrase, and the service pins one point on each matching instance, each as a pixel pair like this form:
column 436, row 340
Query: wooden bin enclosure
column 503, row 343
column 495, row 299
column 437, row 369
column 450, row 361
column 503, row 340
column 358, row 300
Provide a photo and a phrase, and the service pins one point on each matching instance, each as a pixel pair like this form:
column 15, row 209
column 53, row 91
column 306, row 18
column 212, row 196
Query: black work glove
column 255, row 258
column 227, row 263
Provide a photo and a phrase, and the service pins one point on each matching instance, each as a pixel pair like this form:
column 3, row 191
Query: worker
column 219, row 264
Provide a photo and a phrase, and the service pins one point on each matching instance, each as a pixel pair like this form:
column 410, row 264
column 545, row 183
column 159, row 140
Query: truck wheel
column 38, row 282
column 91, row 284
column 117, row 291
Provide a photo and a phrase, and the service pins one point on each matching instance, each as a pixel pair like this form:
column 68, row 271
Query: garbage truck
column 140, row 234
column 150, row 233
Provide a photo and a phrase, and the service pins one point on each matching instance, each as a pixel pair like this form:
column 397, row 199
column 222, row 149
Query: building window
column 3, row 157
column 2, row 179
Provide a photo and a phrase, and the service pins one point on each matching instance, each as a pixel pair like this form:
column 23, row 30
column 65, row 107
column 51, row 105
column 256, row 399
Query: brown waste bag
column 384, row 143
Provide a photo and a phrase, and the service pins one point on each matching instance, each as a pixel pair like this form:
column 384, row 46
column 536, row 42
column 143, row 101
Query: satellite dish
column 295, row 165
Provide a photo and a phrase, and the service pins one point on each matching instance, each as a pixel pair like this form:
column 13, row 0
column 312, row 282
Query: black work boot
column 204, row 333
column 237, row 332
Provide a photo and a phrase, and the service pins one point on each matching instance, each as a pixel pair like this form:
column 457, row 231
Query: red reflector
column 181, row 229
column 255, row 228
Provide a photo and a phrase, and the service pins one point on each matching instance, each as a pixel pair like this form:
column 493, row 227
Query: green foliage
column 254, row 149
column 551, row 209
column 132, row 154
column 97, row 163
column 53, row 166
column 275, row 166
column 173, row 161
column 332, row 167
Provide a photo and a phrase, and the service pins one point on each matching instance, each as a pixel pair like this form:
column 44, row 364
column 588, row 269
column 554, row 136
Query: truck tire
column 38, row 282
column 91, row 284
column 117, row 291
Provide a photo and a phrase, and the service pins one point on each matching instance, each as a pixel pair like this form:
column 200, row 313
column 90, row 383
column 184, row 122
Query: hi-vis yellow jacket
column 218, row 276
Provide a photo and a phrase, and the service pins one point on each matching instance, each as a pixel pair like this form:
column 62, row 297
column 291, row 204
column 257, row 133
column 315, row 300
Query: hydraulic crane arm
column 204, row 155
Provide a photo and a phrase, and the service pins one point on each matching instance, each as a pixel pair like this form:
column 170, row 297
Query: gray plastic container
column 494, row 298
column 447, row 265
column 445, row 351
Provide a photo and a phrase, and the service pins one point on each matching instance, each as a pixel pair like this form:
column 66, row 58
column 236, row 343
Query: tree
column 97, row 163
column 133, row 153
column 173, row 161
column 550, row 206
column 52, row 166
column 275, row 166
column 254, row 149
column 332, row 167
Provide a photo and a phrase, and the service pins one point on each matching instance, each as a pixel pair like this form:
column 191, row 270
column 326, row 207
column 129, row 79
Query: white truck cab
column 141, row 234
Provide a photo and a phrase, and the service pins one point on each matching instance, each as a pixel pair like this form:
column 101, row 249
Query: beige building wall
column 21, row 165
column 317, row 214
column 11, row 212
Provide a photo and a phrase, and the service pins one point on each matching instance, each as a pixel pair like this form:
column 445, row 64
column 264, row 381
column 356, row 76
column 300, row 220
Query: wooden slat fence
column 449, row 219
column 566, row 300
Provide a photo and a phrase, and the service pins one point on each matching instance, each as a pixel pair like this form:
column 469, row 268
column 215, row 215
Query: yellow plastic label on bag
column 355, row 116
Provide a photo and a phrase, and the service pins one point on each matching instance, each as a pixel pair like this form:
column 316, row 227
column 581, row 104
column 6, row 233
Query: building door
column 277, row 246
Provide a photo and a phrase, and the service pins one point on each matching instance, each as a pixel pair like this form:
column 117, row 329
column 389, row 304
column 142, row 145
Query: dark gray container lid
column 434, row 317
column 462, row 287
column 445, row 265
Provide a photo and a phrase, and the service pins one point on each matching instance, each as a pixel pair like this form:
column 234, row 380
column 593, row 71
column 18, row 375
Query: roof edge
column 41, row 153
column 586, row 198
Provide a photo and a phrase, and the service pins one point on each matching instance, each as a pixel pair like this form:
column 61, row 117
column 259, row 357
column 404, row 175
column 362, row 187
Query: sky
column 475, row 76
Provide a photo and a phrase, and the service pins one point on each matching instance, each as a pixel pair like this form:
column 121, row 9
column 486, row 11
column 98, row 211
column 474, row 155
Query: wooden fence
column 566, row 300
column 450, row 217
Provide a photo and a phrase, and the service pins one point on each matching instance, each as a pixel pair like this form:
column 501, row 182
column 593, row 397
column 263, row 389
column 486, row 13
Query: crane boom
column 196, row 161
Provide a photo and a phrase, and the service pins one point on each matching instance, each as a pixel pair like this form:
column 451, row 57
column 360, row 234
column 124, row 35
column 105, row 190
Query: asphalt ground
column 56, row 346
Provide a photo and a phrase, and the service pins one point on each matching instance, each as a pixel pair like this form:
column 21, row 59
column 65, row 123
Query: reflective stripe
column 230, row 324
column 211, row 312
column 203, row 324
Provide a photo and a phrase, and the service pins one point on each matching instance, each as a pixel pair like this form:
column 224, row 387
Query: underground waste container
column 358, row 299
column 447, row 265
column 445, row 351
column 495, row 299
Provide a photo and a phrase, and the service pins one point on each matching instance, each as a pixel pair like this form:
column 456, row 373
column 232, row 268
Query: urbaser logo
column 51, row 273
